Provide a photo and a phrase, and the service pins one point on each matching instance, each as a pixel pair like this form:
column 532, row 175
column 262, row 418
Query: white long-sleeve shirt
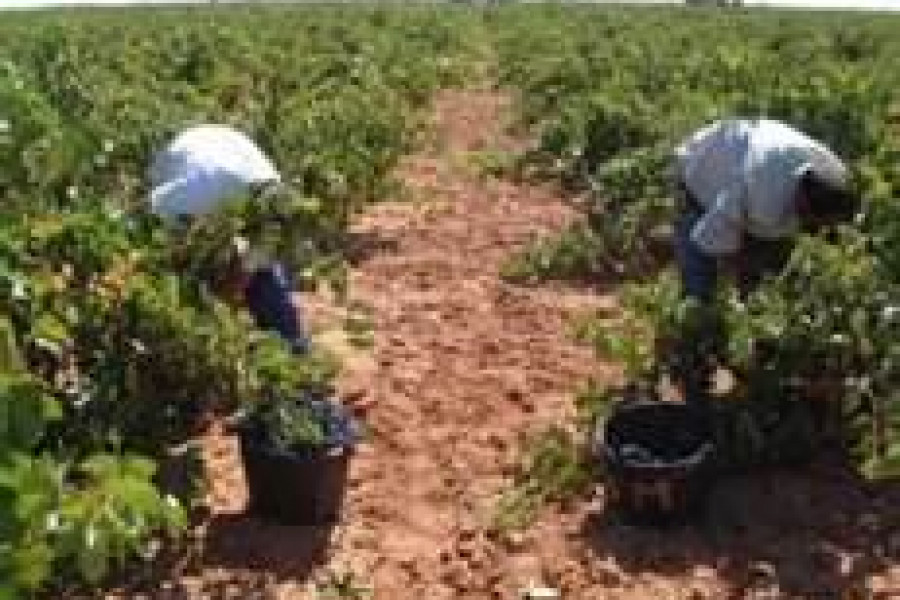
column 745, row 174
column 205, row 166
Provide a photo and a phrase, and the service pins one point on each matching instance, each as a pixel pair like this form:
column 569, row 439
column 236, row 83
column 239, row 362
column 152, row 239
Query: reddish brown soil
column 463, row 368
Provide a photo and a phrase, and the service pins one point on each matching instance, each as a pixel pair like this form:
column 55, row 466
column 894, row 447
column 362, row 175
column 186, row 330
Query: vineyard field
column 479, row 207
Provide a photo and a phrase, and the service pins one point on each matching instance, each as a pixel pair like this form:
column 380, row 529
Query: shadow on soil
column 358, row 247
column 240, row 541
column 230, row 556
column 244, row 555
column 815, row 533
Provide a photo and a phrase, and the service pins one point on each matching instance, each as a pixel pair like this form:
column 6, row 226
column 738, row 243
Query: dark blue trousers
column 268, row 297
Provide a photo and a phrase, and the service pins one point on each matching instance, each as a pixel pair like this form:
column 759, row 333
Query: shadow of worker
column 817, row 532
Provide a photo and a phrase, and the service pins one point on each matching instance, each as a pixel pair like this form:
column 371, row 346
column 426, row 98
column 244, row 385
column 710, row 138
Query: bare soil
column 463, row 369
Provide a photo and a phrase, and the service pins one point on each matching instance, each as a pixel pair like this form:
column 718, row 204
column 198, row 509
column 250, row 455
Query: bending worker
column 200, row 169
column 745, row 188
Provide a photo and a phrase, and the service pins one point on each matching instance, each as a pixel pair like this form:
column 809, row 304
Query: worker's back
column 204, row 166
column 753, row 165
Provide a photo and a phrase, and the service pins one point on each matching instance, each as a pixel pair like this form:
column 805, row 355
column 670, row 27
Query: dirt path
column 463, row 368
column 465, row 365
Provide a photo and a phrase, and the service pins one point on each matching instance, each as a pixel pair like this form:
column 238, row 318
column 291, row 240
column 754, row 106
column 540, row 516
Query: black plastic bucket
column 300, row 486
column 659, row 458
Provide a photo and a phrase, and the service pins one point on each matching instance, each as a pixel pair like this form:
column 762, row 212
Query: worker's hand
column 733, row 265
column 233, row 289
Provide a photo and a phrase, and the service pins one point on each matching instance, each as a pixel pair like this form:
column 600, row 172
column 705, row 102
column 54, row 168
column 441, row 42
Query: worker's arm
column 712, row 241
column 719, row 231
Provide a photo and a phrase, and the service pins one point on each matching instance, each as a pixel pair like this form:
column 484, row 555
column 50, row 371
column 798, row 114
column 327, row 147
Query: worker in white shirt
column 199, row 170
column 746, row 187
